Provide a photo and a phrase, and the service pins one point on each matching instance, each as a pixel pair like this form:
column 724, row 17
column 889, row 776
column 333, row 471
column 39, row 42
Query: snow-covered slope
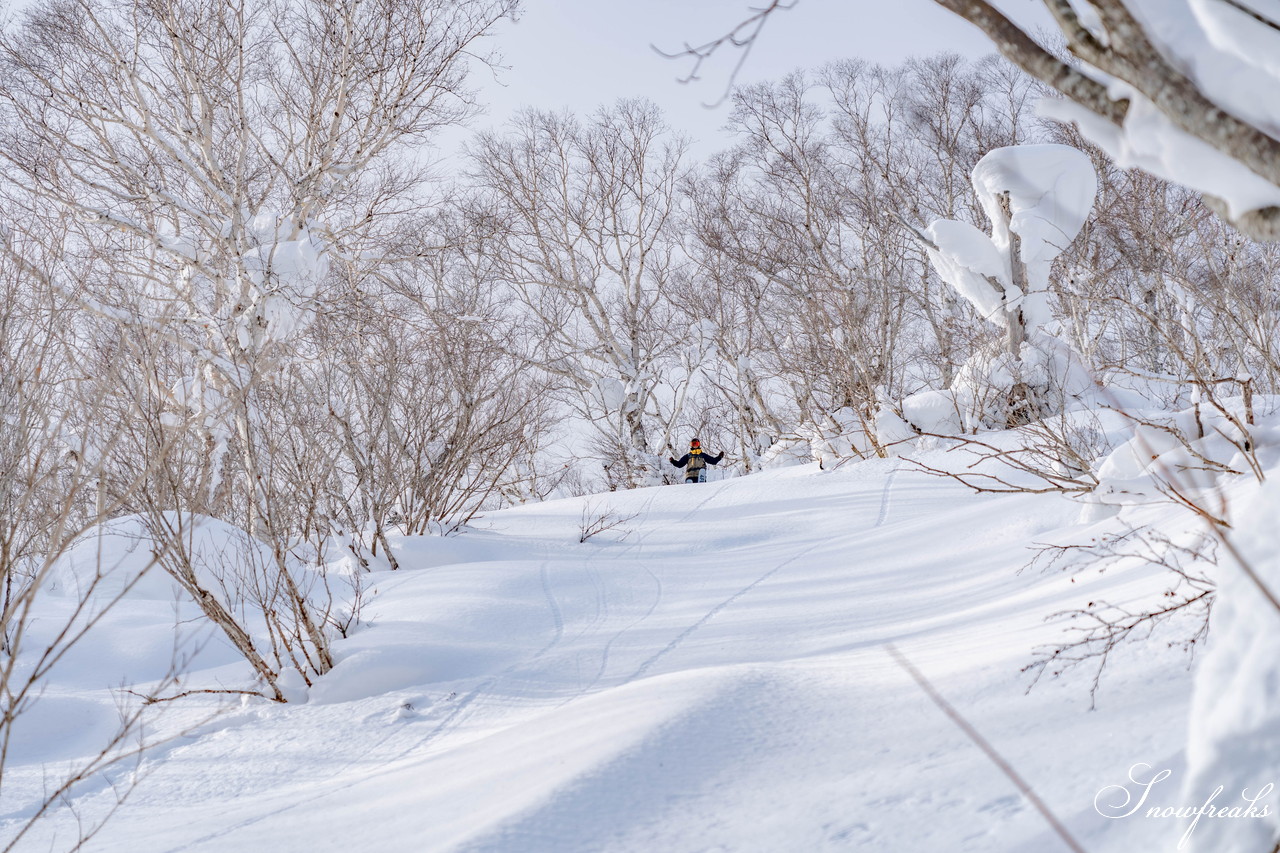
column 714, row 679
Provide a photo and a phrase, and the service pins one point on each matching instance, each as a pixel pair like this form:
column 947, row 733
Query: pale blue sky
column 582, row 53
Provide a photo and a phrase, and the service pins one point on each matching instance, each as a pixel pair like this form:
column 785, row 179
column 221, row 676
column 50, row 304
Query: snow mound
column 1056, row 380
column 119, row 558
column 1235, row 713
column 932, row 411
column 57, row 728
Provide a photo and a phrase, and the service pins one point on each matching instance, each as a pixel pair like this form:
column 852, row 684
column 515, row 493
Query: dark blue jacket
column 688, row 457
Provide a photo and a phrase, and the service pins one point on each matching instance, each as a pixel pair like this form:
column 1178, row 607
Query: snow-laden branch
column 1180, row 88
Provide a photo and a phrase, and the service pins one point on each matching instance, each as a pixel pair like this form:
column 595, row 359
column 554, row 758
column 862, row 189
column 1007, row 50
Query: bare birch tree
column 585, row 218
column 230, row 154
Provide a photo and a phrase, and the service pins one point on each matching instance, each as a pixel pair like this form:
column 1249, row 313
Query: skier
column 695, row 462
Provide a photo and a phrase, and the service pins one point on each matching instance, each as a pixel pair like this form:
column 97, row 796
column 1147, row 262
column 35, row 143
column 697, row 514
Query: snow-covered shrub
column 1037, row 198
column 933, row 412
column 1192, row 450
column 995, row 389
column 838, row 435
column 626, row 466
column 892, row 429
column 786, row 452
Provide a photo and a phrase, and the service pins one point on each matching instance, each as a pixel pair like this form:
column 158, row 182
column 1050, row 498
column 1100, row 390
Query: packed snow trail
column 713, row 678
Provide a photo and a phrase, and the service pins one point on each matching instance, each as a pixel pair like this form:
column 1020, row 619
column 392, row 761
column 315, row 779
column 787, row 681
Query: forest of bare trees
column 232, row 289
column 244, row 299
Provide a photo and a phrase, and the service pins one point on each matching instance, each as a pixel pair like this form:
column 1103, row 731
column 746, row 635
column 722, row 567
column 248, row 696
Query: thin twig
column 149, row 699
column 742, row 37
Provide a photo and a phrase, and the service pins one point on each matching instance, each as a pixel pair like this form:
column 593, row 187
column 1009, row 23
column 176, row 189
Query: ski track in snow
column 463, row 706
column 750, row 738
column 556, row 614
column 884, row 498
column 604, row 652
column 643, row 514
column 711, row 614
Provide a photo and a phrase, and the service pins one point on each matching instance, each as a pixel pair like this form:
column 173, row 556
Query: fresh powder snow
column 712, row 675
